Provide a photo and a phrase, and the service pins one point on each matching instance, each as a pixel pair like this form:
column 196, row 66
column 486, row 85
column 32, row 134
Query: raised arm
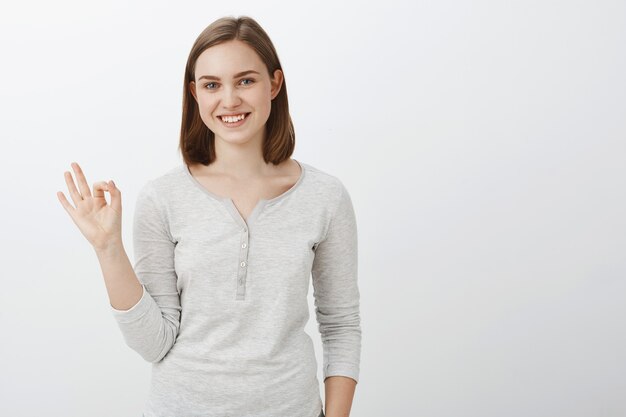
column 150, row 327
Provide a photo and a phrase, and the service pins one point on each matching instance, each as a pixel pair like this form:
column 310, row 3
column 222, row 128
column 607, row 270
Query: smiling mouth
column 236, row 123
column 244, row 115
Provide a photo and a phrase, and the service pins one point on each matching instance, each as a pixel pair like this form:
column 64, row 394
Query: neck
column 241, row 161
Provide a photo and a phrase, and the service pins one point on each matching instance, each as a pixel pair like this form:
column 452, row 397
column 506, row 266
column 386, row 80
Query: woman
column 224, row 247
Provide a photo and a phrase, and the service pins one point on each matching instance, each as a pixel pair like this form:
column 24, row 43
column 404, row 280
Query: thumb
column 116, row 197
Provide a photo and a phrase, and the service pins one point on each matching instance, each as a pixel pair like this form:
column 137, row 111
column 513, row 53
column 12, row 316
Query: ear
column 192, row 88
column 277, row 82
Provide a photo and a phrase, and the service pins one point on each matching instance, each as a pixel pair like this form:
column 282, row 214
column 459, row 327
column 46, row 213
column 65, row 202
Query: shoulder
column 157, row 190
column 329, row 185
column 330, row 192
column 166, row 182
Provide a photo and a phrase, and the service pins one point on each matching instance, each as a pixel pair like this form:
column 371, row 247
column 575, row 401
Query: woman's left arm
column 339, row 394
column 337, row 305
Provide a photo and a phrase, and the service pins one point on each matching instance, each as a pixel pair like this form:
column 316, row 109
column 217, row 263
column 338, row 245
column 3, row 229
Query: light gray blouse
column 224, row 300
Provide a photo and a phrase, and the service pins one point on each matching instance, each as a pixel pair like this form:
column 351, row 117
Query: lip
column 234, row 114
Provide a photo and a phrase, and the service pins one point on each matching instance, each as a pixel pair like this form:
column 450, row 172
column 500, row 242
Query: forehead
column 226, row 59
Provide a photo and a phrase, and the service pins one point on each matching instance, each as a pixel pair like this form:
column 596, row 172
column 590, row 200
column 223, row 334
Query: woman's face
column 221, row 88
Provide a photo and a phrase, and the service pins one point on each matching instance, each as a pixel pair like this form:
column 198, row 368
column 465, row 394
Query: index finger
column 82, row 181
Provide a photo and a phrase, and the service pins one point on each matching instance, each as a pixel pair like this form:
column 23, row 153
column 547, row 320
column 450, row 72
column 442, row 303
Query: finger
column 82, row 181
column 66, row 204
column 116, row 197
column 99, row 188
column 76, row 197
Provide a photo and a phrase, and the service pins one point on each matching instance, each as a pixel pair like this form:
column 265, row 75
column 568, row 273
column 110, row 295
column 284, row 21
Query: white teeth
column 232, row 119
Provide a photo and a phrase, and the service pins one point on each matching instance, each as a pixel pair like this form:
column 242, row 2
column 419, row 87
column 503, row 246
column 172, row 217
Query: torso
column 246, row 194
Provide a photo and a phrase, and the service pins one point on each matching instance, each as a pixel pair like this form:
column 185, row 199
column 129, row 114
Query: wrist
column 110, row 249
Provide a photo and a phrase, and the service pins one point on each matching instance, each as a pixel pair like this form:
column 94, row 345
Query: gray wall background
column 483, row 143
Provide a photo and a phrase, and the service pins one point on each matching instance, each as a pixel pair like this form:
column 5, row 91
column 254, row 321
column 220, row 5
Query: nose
column 230, row 98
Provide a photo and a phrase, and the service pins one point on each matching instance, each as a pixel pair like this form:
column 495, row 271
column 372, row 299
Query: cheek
column 263, row 105
column 206, row 109
column 204, row 114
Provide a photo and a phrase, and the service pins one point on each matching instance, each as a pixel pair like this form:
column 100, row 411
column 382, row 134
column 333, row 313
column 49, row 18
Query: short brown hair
column 197, row 141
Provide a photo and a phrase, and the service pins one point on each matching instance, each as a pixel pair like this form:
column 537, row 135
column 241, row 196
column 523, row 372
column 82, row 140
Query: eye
column 245, row 79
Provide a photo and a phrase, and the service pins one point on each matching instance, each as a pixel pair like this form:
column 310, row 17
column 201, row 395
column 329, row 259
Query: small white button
column 243, row 245
column 245, row 230
column 240, row 281
column 243, row 264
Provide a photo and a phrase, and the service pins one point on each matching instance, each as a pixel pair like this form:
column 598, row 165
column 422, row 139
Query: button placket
column 229, row 205
column 242, row 270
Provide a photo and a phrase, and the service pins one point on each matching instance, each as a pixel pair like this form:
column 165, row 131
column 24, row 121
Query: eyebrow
column 239, row 74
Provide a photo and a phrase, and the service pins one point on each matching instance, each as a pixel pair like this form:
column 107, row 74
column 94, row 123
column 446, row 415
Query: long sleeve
column 151, row 326
column 336, row 292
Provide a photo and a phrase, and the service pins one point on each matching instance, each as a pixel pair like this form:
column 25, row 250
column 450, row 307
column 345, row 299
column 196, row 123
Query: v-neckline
column 230, row 204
